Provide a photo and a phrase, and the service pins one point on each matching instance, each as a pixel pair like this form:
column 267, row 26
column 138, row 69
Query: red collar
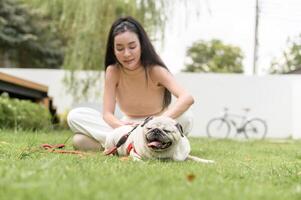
column 130, row 147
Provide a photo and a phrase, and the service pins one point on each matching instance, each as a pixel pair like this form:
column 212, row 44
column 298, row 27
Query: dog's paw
column 135, row 156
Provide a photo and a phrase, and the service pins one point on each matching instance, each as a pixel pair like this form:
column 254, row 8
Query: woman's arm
column 184, row 99
column 109, row 98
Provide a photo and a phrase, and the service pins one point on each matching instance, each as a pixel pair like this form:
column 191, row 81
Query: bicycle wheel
column 218, row 128
column 256, row 128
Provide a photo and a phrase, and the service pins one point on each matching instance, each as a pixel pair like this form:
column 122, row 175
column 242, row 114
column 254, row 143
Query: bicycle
column 220, row 127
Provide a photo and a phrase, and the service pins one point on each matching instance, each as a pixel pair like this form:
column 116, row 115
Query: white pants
column 90, row 122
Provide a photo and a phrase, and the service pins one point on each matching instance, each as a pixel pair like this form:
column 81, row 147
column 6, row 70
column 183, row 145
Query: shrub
column 23, row 114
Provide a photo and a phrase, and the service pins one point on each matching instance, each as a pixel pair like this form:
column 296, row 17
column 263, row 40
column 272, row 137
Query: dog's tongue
column 154, row 144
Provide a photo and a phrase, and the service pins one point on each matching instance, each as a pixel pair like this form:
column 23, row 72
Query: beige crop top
column 137, row 97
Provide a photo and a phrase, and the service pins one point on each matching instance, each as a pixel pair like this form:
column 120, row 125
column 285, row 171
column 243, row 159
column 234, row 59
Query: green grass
column 243, row 170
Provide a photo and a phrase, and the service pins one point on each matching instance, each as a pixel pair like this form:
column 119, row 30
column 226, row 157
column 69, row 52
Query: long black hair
column 148, row 58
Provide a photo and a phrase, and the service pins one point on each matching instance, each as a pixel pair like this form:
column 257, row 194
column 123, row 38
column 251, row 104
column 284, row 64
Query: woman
column 137, row 80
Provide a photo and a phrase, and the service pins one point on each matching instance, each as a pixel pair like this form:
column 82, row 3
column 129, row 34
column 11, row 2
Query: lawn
column 243, row 170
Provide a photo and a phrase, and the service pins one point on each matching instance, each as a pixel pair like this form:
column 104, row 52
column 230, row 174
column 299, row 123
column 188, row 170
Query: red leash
column 120, row 142
column 123, row 139
column 57, row 149
column 56, row 146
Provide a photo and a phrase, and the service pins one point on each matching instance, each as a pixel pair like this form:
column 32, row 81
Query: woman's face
column 127, row 50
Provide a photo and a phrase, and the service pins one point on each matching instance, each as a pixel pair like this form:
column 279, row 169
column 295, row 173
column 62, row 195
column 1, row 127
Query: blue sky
column 232, row 21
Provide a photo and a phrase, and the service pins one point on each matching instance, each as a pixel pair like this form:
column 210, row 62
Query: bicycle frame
column 239, row 126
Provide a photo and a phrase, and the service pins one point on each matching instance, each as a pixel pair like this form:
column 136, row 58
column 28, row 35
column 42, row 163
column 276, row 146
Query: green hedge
column 23, row 114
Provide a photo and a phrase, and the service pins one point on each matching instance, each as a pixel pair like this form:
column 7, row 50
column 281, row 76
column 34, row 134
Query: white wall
column 296, row 108
column 277, row 99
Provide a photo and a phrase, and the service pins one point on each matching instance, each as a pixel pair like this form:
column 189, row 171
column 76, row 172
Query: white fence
column 277, row 99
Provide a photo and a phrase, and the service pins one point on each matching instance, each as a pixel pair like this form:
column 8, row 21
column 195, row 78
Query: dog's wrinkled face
column 161, row 133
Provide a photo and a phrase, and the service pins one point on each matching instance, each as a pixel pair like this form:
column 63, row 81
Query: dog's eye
column 166, row 131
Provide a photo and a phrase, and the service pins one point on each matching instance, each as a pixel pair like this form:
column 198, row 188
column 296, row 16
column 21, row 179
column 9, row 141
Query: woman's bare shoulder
column 112, row 72
column 112, row 69
column 157, row 70
column 159, row 74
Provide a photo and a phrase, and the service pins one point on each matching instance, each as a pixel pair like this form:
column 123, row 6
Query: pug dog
column 157, row 137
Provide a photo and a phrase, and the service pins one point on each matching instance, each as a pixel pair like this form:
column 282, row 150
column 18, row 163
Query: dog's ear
column 180, row 128
column 146, row 120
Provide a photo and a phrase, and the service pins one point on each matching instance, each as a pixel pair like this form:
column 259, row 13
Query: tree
column 26, row 40
column 86, row 24
column 290, row 59
column 214, row 56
